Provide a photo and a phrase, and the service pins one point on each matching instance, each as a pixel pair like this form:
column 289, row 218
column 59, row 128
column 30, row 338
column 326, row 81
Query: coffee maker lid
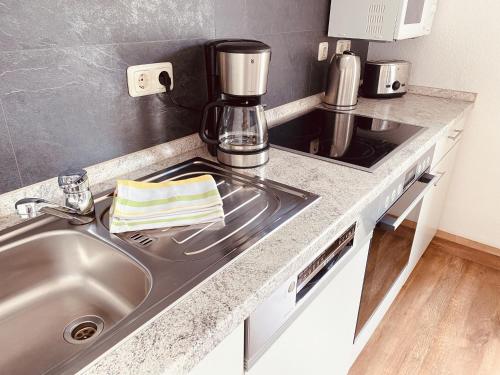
column 243, row 47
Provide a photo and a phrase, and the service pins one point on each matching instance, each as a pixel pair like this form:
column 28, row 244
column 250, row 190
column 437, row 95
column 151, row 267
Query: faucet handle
column 73, row 180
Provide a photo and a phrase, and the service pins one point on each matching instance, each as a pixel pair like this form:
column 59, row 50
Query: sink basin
column 69, row 293
column 59, row 291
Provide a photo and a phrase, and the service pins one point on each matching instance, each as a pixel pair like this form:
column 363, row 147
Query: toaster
column 385, row 79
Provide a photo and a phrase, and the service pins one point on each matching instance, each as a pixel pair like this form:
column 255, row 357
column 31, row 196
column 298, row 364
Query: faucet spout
column 79, row 208
column 28, row 208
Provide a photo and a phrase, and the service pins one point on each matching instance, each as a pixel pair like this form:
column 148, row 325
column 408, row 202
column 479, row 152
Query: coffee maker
column 234, row 124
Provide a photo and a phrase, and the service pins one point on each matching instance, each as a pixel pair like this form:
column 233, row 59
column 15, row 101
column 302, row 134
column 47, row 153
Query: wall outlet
column 143, row 79
column 323, row 51
column 343, row 45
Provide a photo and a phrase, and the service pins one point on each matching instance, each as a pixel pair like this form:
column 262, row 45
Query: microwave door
column 415, row 18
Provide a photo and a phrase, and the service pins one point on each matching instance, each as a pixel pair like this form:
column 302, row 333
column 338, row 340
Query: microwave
column 381, row 20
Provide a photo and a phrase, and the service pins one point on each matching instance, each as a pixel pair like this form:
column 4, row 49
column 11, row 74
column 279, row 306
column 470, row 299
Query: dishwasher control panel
column 326, row 259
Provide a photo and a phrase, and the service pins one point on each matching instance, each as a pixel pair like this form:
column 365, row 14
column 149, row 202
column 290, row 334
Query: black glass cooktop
column 357, row 141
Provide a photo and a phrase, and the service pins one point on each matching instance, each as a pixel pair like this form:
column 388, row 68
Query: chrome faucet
column 79, row 202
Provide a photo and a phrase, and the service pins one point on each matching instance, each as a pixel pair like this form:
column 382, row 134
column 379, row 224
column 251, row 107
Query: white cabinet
column 452, row 137
column 432, row 207
column 320, row 340
column 226, row 358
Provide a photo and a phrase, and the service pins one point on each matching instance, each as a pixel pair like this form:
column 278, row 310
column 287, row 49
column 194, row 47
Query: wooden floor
column 445, row 320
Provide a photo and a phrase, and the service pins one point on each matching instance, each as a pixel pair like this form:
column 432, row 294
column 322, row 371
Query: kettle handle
column 203, row 127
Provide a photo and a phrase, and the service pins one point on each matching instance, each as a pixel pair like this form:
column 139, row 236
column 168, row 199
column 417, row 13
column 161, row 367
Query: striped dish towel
column 150, row 205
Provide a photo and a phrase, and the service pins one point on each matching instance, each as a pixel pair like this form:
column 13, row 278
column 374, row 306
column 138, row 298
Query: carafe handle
column 203, row 127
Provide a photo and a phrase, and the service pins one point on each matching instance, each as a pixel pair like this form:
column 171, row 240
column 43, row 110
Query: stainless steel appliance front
column 244, row 74
column 385, row 78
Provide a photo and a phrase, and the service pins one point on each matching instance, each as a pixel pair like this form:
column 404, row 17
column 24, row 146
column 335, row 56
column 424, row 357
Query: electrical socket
column 343, row 45
column 323, row 51
column 144, row 79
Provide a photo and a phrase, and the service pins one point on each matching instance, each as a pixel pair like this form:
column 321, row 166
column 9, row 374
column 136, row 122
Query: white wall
column 463, row 53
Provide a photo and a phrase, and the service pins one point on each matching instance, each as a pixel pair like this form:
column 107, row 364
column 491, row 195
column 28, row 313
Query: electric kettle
column 342, row 88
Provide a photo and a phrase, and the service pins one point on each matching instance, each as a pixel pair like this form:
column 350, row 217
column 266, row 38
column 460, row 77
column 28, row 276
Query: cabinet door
column 432, row 207
column 449, row 140
column 320, row 340
column 226, row 358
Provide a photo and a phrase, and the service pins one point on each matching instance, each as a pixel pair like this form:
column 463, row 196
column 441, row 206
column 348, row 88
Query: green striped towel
column 149, row 205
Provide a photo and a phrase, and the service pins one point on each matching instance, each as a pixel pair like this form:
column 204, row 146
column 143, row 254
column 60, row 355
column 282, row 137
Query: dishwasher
column 289, row 327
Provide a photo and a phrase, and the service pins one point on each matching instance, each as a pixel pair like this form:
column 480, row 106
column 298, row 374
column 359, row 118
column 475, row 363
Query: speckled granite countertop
column 179, row 337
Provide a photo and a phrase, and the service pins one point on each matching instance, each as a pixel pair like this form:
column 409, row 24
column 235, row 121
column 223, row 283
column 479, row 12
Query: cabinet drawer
column 450, row 139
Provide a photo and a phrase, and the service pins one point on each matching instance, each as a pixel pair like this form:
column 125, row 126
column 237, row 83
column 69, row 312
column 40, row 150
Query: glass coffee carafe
column 243, row 128
column 242, row 133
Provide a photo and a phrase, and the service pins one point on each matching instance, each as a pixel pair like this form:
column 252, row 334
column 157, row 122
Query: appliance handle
column 457, row 135
column 203, row 127
column 441, row 175
column 390, row 223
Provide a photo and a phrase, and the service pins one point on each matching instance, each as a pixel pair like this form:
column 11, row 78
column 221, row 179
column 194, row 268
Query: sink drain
column 83, row 329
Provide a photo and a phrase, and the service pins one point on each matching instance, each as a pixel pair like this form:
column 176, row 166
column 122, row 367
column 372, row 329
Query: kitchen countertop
column 175, row 340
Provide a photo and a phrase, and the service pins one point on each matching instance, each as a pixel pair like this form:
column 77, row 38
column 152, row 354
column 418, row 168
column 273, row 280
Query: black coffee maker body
column 233, row 124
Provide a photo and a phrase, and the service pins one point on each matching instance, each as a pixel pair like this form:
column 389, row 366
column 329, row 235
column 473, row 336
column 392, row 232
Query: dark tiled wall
column 63, row 92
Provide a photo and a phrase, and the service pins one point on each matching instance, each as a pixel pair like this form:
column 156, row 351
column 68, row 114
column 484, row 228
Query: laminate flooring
column 445, row 320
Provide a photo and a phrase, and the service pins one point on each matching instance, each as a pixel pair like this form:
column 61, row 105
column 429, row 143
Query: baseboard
column 468, row 249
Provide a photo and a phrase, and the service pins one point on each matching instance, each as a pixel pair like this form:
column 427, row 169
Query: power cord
column 166, row 81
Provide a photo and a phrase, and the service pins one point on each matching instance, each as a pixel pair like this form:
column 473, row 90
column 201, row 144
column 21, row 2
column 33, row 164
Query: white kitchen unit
column 381, row 20
column 432, row 208
column 320, row 340
column 226, row 358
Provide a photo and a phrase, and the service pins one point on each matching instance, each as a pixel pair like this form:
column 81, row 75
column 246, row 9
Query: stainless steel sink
column 50, row 281
column 68, row 293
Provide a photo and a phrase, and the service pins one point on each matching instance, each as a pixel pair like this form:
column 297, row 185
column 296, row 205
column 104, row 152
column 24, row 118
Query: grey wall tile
column 9, row 174
column 230, row 18
column 47, row 23
column 279, row 16
column 289, row 68
column 78, row 111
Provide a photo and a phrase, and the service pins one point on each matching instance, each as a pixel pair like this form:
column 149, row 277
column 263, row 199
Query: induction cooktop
column 352, row 140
